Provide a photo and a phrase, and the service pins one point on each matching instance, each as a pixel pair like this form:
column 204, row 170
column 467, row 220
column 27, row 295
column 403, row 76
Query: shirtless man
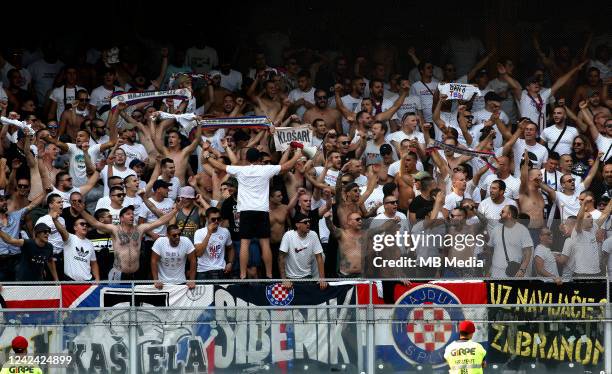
column 217, row 94
column 279, row 221
column 531, row 200
column 126, row 238
column 20, row 199
column 268, row 103
column 174, row 151
column 349, row 243
column 331, row 116
column 71, row 119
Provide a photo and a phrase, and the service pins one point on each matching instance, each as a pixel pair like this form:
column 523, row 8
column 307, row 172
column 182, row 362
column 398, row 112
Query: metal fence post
column 608, row 329
column 133, row 348
column 370, row 325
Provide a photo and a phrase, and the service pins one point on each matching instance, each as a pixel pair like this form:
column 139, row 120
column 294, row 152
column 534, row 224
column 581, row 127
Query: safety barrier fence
column 357, row 326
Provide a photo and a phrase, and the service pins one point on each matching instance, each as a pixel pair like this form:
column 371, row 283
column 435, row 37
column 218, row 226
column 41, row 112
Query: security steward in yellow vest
column 20, row 347
column 465, row 356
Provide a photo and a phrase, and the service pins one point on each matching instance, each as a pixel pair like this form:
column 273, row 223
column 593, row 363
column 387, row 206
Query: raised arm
column 196, row 140
column 387, row 114
column 480, row 64
column 61, row 145
column 592, row 172
column 291, row 163
column 510, row 143
column 582, row 126
column 47, row 184
column 346, row 113
column 10, row 240
column 565, row 78
column 524, row 174
column 60, row 228
column 80, row 208
column 515, row 86
column 163, row 220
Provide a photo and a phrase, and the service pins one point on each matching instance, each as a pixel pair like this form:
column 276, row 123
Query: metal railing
column 355, row 338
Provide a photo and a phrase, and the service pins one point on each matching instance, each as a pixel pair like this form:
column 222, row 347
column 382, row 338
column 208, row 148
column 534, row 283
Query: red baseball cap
column 467, row 327
column 19, row 342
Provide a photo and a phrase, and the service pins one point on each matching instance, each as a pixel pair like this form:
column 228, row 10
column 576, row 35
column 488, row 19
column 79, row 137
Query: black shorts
column 254, row 224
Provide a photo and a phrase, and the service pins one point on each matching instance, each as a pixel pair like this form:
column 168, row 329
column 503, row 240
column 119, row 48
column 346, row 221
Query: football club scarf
column 138, row 97
column 484, row 155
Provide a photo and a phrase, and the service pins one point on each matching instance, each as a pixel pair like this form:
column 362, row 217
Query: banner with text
column 552, row 343
column 283, row 136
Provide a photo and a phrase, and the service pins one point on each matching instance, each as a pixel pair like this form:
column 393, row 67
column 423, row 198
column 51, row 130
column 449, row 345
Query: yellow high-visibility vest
column 20, row 369
column 464, row 357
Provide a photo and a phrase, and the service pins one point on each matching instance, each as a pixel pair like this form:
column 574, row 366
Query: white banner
column 458, row 91
column 285, row 135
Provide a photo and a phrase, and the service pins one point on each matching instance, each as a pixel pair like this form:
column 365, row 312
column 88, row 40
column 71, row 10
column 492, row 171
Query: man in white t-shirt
column 161, row 201
column 425, row 88
column 511, row 242
column 567, row 200
column 77, row 165
column 299, row 250
column 490, row 112
column 63, row 185
column 458, row 193
column 555, row 138
column 65, row 94
column 606, row 249
column 352, row 100
column 101, row 95
column 44, row 72
column 119, row 168
column 80, row 262
column 492, row 206
column 230, row 79
column 167, row 175
column 544, row 260
column 533, row 100
column 513, row 184
column 253, row 202
column 586, row 245
column 538, row 154
column 407, row 131
column 213, row 248
column 302, row 98
column 169, row 257
column 201, row 58
column 133, row 150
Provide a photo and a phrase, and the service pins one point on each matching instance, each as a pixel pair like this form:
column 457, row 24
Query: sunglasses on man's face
column 23, row 186
column 84, row 224
column 214, row 219
column 321, row 97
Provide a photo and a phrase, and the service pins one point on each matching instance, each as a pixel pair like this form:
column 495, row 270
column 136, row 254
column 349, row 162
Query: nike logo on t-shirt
column 298, row 250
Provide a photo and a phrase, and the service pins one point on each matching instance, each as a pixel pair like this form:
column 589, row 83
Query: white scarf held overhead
column 458, row 91
column 187, row 120
column 21, row 124
column 137, row 97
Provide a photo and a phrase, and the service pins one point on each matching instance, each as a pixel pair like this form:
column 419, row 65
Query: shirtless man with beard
column 126, row 238
column 217, row 94
column 268, row 103
column 174, row 151
column 531, row 200
column 331, row 116
column 279, row 221
column 349, row 243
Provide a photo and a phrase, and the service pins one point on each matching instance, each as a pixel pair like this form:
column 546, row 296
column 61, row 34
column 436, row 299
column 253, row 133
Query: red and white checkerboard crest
column 278, row 295
column 429, row 314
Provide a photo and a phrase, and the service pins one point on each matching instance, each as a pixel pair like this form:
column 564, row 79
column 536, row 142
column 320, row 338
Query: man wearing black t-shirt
column 423, row 203
column 36, row 255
